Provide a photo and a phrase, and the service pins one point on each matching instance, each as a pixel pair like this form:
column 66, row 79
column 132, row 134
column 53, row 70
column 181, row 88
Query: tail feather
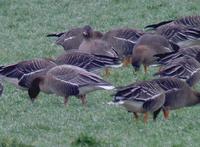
column 1, row 67
column 154, row 26
column 107, row 87
column 55, row 34
column 163, row 55
column 194, row 33
column 10, row 71
column 169, row 72
column 106, row 60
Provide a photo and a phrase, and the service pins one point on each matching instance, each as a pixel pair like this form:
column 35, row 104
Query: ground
column 23, row 29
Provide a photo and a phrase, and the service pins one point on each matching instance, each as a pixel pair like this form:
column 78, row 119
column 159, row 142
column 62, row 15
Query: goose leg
column 145, row 69
column 107, row 72
column 129, row 60
column 166, row 114
column 65, row 100
column 125, row 62
column 145, row 117
column 83, row 99
column 135, row 115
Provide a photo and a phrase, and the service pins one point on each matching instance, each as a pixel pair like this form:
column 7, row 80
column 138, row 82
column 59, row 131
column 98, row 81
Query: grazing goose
column 21, row 74
column 87, row 61
column 146, row 47
column 193, row 51
column 73, row 38
column 96, row 46
column 185, row 68
column 178, row 94
column 142, row 97
column 190, row 21
column 1, row 89
column 68, row 80
column 122, row 40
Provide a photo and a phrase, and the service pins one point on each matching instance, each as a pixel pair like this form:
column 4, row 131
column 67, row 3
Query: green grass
column 23, row 26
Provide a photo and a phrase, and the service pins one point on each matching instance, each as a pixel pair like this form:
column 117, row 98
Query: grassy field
column 23, row 27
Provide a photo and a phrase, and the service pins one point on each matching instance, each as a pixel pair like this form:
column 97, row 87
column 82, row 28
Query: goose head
column 87, row 32
column 34, row 89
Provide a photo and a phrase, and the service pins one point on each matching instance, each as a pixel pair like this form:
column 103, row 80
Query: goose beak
column 136, row 66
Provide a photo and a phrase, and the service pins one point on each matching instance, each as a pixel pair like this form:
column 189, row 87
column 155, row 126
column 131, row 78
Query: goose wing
column 77, row 76
column 25, row 71
column 182, row 68
column 142, row 91
column 87, row 61
column 191, row 21
column 171, row 84
column 25, row 67
column 123, row 40
column 177, row 33
column 193, row 51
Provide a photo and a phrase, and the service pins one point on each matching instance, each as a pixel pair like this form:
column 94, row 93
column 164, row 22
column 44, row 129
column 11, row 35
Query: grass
column 47, row 122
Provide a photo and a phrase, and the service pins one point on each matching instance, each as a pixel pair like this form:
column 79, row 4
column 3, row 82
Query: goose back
column 67, row 80
column 24, row 70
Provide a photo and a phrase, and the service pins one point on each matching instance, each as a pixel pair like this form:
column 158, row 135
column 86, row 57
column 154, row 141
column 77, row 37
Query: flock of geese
column 172, row 45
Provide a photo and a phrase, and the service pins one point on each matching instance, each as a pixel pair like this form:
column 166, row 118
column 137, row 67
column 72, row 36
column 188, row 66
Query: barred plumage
column 185, row 68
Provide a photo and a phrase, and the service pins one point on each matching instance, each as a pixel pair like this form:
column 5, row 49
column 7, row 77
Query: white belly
column 133, row 106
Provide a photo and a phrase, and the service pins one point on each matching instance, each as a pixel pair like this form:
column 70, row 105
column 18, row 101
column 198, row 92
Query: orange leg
column 129, row 60
column 145, row 69
column 145, row 117
column 125, row 62
column 83, row 99
column 135, row 115
column 65, row 101
column 107, row 72
column 166, row 114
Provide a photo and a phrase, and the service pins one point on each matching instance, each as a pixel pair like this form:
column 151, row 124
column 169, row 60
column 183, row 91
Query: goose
column 68, row 80
column 190, row 21
column 193, row 51
column 185, row 68
column 72, row 38
column 140, row 97
column 95, row 46
column 146, row 47
column 178, row 94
